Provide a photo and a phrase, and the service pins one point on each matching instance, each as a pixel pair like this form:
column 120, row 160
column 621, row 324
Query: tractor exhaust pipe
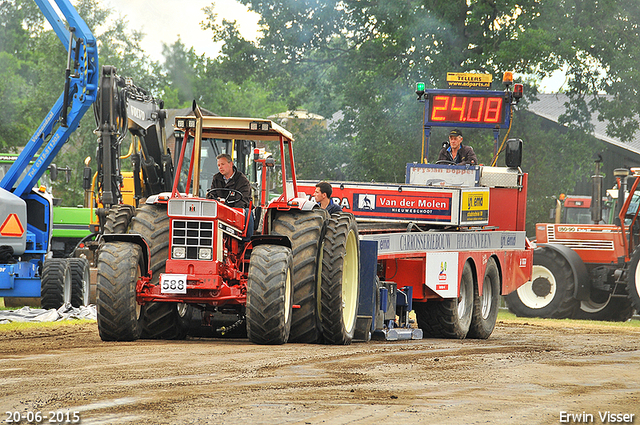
column 596, row 193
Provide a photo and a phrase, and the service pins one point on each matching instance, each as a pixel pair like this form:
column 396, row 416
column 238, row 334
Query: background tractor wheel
column 613, row 309
column 269, row 294
column 118, row 219
column 116, row 306
column 161, row 321
column 305, row 231
column 340, row 279
column 55, row 289
column 485, row 307
column 550, row 291
column 449, row 318
column 80, row 281
column 633, row 280
column 158, row 321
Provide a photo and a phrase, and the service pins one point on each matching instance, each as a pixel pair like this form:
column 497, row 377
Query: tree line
column 356, row 61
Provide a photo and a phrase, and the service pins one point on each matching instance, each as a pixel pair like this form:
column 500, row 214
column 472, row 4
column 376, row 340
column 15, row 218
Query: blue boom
column 25, row 214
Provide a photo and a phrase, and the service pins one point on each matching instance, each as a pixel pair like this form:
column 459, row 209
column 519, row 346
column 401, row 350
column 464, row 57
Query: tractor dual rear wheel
column 340, row 284
column 449, row 318
column 270, row 294
column 304, row 229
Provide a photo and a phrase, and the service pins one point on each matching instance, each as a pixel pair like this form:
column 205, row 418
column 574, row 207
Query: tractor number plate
column 173, row 284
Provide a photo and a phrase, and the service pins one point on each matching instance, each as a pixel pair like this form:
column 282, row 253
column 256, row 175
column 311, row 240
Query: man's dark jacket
column 238, row 182
column 465, row 156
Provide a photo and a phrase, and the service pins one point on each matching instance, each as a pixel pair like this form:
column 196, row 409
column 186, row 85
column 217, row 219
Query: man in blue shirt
column 323, row 198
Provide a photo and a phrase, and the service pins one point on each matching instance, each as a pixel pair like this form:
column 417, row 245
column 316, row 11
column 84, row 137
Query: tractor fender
column 579, row 271
column 270, row 240
column 133, row 238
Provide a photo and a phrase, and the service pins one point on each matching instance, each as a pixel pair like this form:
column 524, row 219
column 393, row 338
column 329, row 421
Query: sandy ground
column 525, row 373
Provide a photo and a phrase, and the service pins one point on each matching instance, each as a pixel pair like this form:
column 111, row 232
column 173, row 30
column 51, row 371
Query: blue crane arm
column 80, row 92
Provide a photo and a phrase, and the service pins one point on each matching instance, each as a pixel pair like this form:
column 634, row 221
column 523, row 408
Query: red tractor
column 282, row 271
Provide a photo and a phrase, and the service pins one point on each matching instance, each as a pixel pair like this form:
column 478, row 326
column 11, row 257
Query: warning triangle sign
column 12, row 226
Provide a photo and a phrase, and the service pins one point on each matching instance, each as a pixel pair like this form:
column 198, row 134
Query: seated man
column 233, row 186
column 456, row 152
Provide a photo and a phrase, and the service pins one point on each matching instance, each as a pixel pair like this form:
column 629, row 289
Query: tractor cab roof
column 235, row 128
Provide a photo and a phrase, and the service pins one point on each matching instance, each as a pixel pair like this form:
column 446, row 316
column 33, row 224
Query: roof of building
column 551, row 106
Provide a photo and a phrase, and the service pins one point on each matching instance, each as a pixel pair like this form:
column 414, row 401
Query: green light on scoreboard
column 420, row 87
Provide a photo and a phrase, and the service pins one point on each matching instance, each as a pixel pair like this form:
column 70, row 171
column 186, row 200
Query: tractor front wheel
column 269, row 294
column 550, row 291
column 116, row 306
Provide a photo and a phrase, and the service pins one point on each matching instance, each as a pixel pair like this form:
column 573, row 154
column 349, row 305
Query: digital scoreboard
column 453, row 109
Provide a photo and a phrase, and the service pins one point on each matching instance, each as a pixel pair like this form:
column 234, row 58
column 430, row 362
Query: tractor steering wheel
column 226, row 199
column 445, row 161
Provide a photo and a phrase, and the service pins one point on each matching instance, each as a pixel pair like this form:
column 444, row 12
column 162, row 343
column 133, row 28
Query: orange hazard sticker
column 12, row 226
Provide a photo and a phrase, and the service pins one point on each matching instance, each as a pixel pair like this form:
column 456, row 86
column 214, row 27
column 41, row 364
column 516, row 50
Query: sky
column 167, row 20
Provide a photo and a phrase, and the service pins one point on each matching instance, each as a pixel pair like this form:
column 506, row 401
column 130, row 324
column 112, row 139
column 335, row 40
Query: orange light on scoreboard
column 466, row 109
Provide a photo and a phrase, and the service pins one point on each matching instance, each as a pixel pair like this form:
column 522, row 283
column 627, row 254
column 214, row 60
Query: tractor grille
column 590, row 244
column 192, row 235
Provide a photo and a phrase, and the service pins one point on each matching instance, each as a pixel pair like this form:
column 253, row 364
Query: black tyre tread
column 617, row 310
column 481, row 328
column 118, row 268
column 566, row 304
column 161, row 321
column 439, row 319
column 265, row 311
column 338, row 227
column 633, row 287
column 118, row 219
column 79, row 281
column 305, row 231
column 52, row 284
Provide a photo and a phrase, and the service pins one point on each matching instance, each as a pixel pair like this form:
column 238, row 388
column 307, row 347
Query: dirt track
column 523, row 374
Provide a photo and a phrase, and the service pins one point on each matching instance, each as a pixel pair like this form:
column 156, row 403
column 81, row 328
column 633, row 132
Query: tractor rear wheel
column 305, row 231
column 449, row 318
column 55, row 286
column 158, row 321
column 116, row 306
column 80, row 281
column 269, row 294
column 550, row 291
column 118, row 219
column 633, row 280
column 340, row 274
column 485, row 307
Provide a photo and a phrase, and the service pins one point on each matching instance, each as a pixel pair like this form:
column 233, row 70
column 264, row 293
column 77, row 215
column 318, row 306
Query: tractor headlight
column 179, row 252
column 205, row 253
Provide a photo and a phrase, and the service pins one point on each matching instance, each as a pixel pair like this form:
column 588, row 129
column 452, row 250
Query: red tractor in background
column 295, row 279
column 587, row 271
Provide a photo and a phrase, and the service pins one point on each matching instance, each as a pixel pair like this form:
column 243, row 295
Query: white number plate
column 173, row 283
